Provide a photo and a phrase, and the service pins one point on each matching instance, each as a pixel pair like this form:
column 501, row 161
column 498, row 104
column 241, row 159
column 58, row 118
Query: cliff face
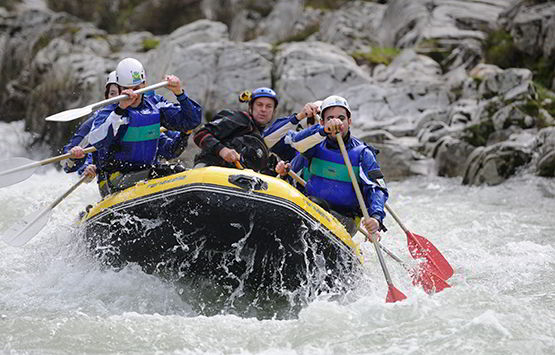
column 414, row 71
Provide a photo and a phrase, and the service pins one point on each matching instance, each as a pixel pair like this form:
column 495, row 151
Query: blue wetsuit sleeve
column 79, row 138
column 172, row 144
column 183, row 117
column 373, row 186
column 107, row 128
column 305, row 141
column 277, row 131
column 88, row 160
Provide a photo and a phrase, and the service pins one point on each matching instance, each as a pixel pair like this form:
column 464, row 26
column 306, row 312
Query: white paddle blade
column 70, row 115
column 15, row 170
column 23, row 231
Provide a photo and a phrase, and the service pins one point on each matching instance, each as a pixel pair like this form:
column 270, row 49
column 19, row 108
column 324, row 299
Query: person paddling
column 236, row 136
column 127, row 135
column 329, row 182
column 274, row 134
column 78, row 161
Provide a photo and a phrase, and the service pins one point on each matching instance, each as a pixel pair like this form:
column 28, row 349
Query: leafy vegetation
column 150, row 43
column 501, row 51
column 378, row 55
column 545, row 101
column 158, row 17
column 9, row 4
column 433, row 49
column 478, row 134
column 333, row 4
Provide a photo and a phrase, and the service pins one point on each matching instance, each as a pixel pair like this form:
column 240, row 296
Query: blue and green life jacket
column 139, row 144
column 328, row 178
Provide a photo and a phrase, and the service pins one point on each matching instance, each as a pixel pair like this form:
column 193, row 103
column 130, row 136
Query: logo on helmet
column 136, row 77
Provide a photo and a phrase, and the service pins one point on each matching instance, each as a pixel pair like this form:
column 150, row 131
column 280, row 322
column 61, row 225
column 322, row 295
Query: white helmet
column 335, row 101
column 130, row 73
column 111, row 79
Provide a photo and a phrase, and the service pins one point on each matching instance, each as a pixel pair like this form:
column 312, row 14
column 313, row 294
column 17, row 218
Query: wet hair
column 108, row 89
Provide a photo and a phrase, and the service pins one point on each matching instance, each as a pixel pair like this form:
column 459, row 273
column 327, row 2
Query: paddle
column 420, row 247
column 393, row 294
column 23, row 231
column 73, row 114
column 421, row 275
column 15, row 170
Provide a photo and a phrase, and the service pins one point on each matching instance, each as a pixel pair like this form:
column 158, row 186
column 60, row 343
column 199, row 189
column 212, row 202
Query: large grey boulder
column 545, row 165
column 309, row 71
column 532, row 27
column 450, row 156
column 353, row 27
column 213, row 70
column 280, row 23
column 58, row 63
column 454, row 28
column 398, row 157
column 494, row 164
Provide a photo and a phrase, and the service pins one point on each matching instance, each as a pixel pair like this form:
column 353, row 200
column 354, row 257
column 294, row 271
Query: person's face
column 263, row 110
column 113, row 90
column 339, row 113
column 137, row 101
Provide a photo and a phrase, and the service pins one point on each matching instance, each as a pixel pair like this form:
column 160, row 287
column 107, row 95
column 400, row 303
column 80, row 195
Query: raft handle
column 248, row 182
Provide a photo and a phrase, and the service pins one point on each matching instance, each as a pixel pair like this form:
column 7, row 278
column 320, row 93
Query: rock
column 215, row 73
column 512, row 115
column 450, row 156
column 311, row 71
column 397, row 157
column 496, row 163
column 353, row 27
column 279, row 24
column 532, row 27
column 503, row 83
column 545, row 165
column 409, row 67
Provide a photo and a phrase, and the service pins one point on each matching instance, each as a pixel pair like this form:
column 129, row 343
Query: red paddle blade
column 430, row 281
column 394, row 295
column 420, row 247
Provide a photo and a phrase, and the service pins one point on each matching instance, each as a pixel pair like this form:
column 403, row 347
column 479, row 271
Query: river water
column 55, row 299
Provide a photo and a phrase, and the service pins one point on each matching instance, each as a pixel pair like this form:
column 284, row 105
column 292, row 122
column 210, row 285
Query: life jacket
column 248, row 142
column 328, row 178
column 139, row 144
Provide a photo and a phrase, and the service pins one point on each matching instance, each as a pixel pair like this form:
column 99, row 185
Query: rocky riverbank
column 455, row 88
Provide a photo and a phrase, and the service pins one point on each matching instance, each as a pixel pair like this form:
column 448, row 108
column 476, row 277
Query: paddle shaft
column 55, row 159
column 123, row 96
column 61, row 198
column 44, row 162
column 301, row 181
column 362, row 204
column 396, row 218
column 75, row 113
column 32, row 224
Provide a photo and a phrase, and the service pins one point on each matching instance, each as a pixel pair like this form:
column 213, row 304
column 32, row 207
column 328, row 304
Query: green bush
column 377, row 55
column 501, row 51
column 478, row 134
column 150, row 43
column 432, row 48
column 546, row 101
column 158, row 17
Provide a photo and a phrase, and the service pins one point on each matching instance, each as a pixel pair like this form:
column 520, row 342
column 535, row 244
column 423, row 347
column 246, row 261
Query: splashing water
column 54, row 297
